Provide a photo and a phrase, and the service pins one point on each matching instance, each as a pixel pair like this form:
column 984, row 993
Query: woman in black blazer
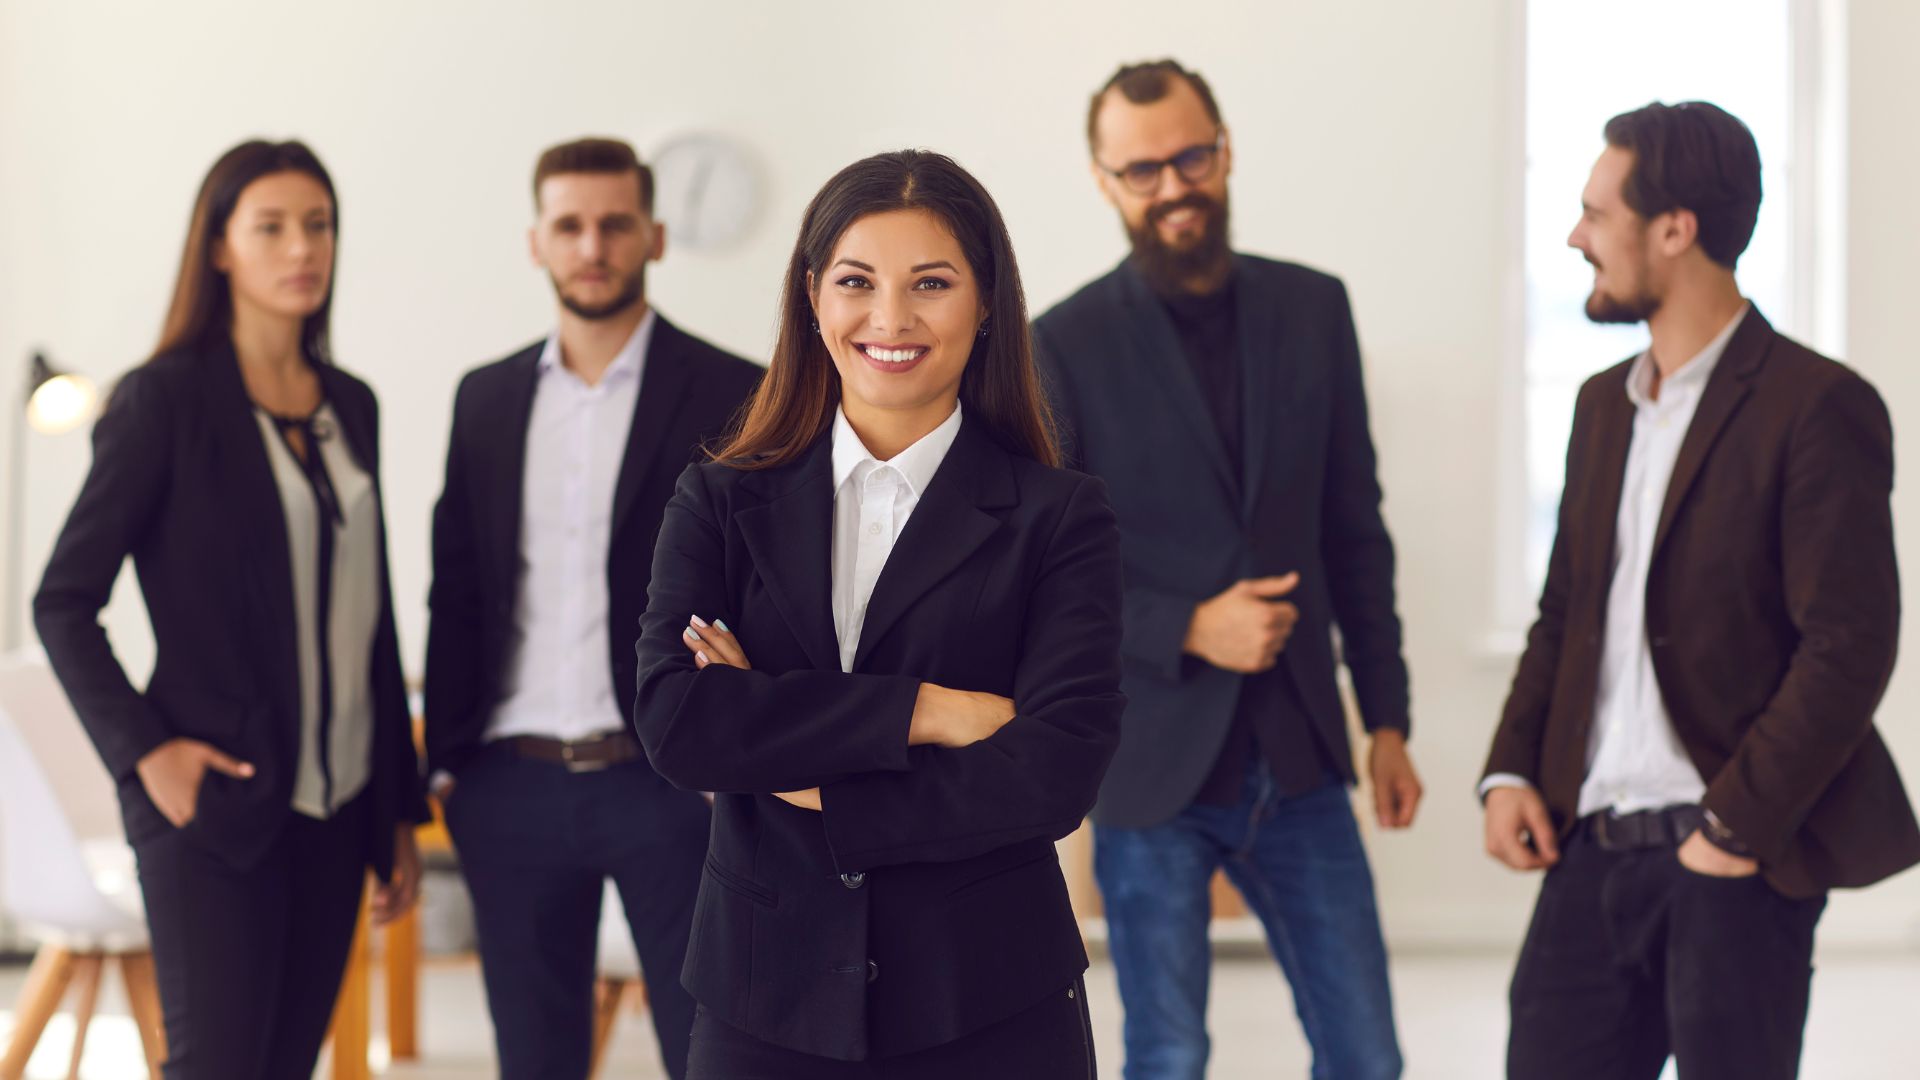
column 884, row 628
column 269, row 761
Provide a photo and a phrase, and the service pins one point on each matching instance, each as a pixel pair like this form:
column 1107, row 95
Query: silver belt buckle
column 576, row 766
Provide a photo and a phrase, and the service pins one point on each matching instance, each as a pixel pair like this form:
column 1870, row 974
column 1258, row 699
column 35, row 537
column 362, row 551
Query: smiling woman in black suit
column 269, row 761
column 885, row 628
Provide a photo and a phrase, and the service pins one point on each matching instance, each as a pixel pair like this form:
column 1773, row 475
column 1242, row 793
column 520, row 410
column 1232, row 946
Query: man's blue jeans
column 1299, row 863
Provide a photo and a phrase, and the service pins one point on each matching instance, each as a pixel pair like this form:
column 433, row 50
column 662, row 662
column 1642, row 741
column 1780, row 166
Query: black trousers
column 249, row 962
column 1631, row 958
column 1051, row 1041
column 537, row 844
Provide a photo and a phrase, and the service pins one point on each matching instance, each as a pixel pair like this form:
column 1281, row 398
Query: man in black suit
column 1220, row 397
column 562, row 459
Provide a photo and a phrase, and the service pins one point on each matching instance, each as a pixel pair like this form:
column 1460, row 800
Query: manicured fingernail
column 722, row 624
column 702, row 657
column 698, row 621
column 694, row 634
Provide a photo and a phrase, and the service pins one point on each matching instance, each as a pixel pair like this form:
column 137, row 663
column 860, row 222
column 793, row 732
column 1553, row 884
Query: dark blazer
column 689, row 390
column 1773, row 609
column 925, row 902
column 1304, row 497
column 181, row 481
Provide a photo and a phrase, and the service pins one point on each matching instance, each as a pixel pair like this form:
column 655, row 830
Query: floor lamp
column 53, row 402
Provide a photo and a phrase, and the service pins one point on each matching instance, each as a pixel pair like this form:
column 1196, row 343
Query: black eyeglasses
column 1194, row 164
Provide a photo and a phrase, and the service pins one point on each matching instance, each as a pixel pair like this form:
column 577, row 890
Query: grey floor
column 1865, row 1023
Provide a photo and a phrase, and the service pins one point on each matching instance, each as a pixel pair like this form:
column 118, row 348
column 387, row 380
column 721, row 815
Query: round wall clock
column 707, row 190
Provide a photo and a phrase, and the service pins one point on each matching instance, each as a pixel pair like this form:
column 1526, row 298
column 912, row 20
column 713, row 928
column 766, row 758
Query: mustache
column 1190, row 201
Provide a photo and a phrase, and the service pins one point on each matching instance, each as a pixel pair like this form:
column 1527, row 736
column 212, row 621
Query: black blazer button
column 873, row 971
column 854, row 880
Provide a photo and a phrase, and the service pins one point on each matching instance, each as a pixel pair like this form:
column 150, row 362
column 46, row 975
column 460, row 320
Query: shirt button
column 874, row 528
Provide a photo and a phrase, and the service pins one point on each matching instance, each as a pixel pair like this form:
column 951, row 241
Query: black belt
column 578, row 755
column 1665, row 827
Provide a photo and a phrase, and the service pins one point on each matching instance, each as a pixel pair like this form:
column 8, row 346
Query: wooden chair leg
column 606, row 1008
column 86, row 972
column 39, row 1000
column 403, row 986
column 352, row 1020
column 143, row 1000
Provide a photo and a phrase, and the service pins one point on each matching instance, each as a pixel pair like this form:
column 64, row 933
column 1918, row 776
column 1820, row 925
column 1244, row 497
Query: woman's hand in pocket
column 712, row 643
column 172, row 773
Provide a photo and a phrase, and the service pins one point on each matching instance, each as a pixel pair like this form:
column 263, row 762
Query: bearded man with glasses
column 1219, row 395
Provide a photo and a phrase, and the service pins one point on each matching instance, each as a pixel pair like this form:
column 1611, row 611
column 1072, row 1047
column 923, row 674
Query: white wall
column 1377, row 139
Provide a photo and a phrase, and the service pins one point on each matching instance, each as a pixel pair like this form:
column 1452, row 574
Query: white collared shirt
column 1634, row 757
column 353, row 613
column 558, row 683
column 872, row 501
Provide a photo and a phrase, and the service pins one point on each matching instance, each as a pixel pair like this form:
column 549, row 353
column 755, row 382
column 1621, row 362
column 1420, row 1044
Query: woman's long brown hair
column 202, row 305
column 1000, row 387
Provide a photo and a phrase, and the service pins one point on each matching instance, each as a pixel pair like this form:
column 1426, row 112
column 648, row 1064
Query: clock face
column 706, row 191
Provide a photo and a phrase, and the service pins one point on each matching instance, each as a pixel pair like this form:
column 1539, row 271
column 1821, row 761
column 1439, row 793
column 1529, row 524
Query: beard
column 1637, row 307
column 1172, row 269
column 632, row 288
column 1621, row 310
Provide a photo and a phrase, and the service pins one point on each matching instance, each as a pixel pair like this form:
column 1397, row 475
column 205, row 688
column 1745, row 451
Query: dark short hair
column 1698, row 157
column 594, row 156
column 1146, row 83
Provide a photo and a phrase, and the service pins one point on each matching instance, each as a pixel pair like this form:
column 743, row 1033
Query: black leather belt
column 1666, row 827
column 578, row 755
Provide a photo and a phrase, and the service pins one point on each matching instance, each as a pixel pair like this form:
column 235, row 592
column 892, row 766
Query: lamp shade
column 57, row 401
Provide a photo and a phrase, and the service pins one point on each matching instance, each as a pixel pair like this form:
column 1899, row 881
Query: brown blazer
column 1773, row 610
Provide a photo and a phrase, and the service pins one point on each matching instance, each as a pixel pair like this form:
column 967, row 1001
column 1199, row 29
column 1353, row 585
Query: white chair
column 617, row 968
column 66, row 873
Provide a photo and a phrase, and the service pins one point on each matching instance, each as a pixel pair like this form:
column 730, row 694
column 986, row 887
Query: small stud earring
column 984, row 327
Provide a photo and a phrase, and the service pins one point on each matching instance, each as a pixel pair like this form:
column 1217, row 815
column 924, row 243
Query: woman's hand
column 956, row 718
column 805, row 800
column 172, row 773
column 395, row 896
column 713, row 644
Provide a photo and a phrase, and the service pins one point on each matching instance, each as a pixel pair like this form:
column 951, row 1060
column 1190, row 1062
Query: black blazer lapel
column 1613, row 437
column 1268, row 378
column 504, row 466
column 1155, row 347
column 1726, row 389
column 356, row 426
column 790, row 536
column 663, row 384
column 259, row 522
column 949, row 525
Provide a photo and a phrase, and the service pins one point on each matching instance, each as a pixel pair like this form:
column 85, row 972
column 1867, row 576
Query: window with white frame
column 1763, row 61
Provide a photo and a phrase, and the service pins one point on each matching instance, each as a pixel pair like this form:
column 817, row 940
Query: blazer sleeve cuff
column 1757, row 826
column 1500, row 780
column 1154, row 630
column 123, row 752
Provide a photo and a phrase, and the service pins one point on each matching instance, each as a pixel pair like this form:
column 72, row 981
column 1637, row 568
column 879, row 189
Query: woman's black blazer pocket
column 741, row 885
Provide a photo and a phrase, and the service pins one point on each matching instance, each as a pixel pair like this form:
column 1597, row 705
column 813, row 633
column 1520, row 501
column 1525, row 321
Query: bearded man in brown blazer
column 1688, row 748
